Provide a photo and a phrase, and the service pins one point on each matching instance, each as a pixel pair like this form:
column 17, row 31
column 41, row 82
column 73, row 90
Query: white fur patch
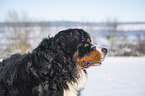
column 100, row 50
column 75, row 87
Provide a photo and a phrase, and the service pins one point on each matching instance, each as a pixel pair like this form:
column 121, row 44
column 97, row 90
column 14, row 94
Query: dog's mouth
column 98, row 64
column 86, row 64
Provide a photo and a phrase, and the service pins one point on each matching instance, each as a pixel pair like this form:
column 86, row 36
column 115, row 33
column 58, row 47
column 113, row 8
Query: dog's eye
column 86, row 45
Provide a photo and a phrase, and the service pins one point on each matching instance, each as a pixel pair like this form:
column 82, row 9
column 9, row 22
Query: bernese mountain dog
column 57, row 67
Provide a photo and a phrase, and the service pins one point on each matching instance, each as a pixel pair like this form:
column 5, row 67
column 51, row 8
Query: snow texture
column 117, row 76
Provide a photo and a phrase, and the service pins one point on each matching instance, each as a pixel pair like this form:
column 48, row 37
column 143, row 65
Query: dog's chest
column 75, row 87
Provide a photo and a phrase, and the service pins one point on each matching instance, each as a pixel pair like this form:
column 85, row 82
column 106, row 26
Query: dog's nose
column 104, row 50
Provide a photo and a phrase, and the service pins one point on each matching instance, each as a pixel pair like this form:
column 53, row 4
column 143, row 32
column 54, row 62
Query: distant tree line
column 19, row 34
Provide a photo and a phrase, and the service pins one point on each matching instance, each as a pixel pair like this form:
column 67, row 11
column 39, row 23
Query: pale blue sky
column 76, row 10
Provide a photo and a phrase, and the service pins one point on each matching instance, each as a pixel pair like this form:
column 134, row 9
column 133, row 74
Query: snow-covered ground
column 117, row 76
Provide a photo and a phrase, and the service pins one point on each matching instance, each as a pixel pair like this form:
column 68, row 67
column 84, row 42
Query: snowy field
column 117, row 76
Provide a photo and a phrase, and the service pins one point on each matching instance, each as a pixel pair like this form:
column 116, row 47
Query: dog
column 57, row 67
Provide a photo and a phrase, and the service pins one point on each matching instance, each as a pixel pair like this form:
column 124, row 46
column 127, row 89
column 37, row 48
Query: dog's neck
column 76, row 87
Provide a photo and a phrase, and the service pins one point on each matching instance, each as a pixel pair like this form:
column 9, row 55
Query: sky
column 75, row 10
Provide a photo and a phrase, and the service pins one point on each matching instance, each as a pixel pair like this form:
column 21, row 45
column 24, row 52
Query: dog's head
column 77, row 43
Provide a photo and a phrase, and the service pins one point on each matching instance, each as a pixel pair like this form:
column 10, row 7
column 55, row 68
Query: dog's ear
column 68, row 45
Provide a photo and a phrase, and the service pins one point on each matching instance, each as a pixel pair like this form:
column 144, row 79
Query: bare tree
column 116, row 38
column 20, row 32
column 17, row 33
column 111, row 30
column 141, row 44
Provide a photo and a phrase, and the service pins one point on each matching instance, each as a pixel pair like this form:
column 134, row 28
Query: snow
column 117, row 76
column 131, row 27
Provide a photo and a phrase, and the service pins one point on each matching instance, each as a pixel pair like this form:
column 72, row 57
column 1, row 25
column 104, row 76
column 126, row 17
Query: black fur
column 46, row 70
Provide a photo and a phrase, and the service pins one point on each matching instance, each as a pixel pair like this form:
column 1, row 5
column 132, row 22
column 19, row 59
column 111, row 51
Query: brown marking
column 79, row 65
column 86, row 45
column 75, row 54
column 95, row 57
column 88, row 40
